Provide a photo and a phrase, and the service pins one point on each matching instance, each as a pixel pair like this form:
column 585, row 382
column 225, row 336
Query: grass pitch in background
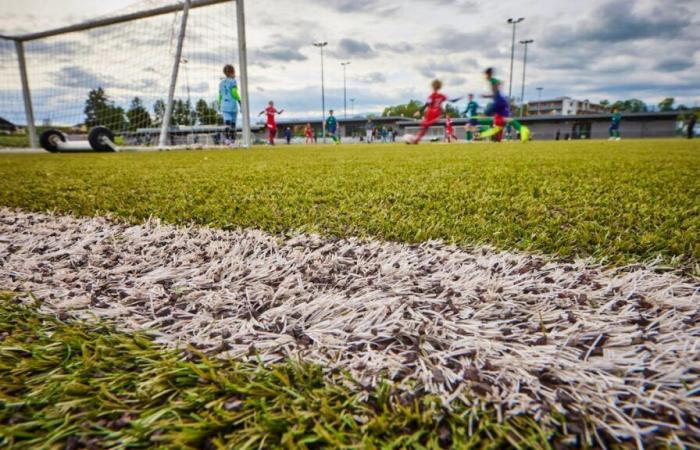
column 618, row 201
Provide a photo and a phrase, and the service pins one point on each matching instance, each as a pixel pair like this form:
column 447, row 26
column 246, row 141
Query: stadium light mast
column 323, row 91
column 352, row 107
column 539, row 99
column 522, row 92
column 345, row 89
column 513, row 22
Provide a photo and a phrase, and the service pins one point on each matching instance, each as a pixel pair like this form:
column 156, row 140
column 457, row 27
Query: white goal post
column 177, row 8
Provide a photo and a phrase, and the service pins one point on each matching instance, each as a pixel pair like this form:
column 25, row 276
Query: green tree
column 138, row 115
column 605, row 103
column 182, row 113
column 207, row 114
column 405, row 110
column 95, row 107
column 159, row 111
column 452, row 110
column 100, row 110
column 666, row 104
column 631, row 105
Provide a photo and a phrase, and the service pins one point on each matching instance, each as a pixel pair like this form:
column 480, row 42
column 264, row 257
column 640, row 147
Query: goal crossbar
column 113, row 20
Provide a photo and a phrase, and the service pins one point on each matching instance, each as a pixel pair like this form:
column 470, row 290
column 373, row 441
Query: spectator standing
column 368, row 131
column 691, row 124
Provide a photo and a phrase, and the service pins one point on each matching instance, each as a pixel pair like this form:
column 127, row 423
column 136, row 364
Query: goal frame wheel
column 51, row 140
column 101, row 139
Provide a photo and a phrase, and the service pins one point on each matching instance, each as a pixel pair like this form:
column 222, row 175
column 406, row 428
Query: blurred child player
column 332, row 127
column 470, row 112
column 229, row 100
column 449, row 129
column 433, row 111
column 270, row 111
column 309, row 133
column 500, row 111
column 614, row 128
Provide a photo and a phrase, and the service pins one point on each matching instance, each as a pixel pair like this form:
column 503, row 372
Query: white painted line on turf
column 618, row 346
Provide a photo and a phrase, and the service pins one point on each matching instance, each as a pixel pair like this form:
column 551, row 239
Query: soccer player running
column 471, row 111
column 229, row 101
column 432, row 109
column 309, row 133
column 270, row 111
column 449, row 129
column 614, row 128
column 500, row 111
column 332, row 127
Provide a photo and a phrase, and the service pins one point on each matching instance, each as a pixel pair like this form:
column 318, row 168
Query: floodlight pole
column 243, row 66
column 522, row 92
column 539, row 99
column 352, row 107
column 323, row 91
column 26, row 94
column 514, row 22
column 345, row 89
column 173, row 76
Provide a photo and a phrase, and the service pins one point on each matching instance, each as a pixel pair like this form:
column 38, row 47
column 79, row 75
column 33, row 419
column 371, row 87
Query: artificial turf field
column 619, row 202
column 65, row 384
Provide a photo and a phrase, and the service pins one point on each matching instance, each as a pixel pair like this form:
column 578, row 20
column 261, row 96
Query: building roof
column 4, row 123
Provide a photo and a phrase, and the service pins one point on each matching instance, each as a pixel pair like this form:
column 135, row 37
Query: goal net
column 116, row 71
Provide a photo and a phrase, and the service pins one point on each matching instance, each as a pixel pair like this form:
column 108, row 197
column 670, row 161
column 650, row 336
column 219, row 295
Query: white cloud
column 597, row 49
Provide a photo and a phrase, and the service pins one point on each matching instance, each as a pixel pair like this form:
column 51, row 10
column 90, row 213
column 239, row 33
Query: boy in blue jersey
column 332, row 127
column 614, row 128
column 229, row 100
column 470, row 113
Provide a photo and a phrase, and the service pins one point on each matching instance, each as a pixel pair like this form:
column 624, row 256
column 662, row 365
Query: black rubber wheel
column 97, row 137
column 49, row 140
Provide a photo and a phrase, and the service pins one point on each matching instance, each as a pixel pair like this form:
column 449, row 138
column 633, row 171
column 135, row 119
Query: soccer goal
column 145, row 76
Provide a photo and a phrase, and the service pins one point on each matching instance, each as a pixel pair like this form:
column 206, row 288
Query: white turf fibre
column 524, row 333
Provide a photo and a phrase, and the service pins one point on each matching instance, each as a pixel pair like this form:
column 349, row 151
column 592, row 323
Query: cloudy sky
column 594, row 49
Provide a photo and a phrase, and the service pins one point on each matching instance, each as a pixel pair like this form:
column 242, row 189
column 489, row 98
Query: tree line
column 101, row 110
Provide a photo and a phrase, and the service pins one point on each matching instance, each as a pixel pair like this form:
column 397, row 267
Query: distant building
column 6, row 126
column 564, row 106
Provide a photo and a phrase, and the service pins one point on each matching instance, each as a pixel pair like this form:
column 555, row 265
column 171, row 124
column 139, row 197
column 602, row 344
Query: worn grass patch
column 72, row 385
column 618, row 201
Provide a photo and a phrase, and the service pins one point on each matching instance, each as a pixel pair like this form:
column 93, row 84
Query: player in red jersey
column 309, row 133
column 271, row 124
column 433, row 110
column 449, row 129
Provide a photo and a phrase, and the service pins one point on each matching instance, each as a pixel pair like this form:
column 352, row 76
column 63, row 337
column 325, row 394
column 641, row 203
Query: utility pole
column 513, row 22
column 345, row 89
column 323, row 91
column 522, row 92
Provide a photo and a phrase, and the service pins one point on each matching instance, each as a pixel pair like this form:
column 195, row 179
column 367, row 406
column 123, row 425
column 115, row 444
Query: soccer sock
column 421, row 133
column 516, row 124
column 470, row 135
